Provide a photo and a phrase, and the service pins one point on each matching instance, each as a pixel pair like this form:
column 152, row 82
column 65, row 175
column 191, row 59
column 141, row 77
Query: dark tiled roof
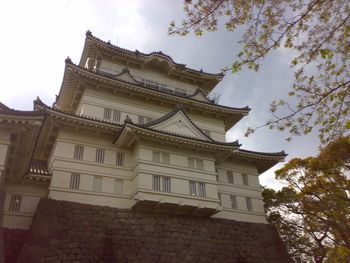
column 138, row 53
column 272, row 154
column 3, row 106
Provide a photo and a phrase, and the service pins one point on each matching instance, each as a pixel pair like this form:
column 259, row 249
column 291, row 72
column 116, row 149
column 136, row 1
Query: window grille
column 229, row 177
column 100, row 155
column 107, row 114
column 15, row 202
column 148, row 119
column 166, row 184
column 193, row 190
column 141, row 119
column 233, row 201
column 118, row 186
column 156, row 157
column 78, row 152
column 249, row 203
column 116, row 116
column 120, row 159
column 97, row 186
column 201, row 190
column 190, row 163
column 245, row 179
column 165, row 158
column 199, row 163
column 74, row 181
column 156, row 183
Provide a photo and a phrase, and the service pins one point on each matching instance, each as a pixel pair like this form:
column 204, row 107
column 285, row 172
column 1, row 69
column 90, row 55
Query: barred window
column 74, row 181
column 156, row 183
column 193, row 189
column 148, row 119
column 97, row 185
column 78, row 152
column 118, row 186
column 107, row 114
column 161, row 183
column 166, row 184
column 100, row 155
column 156, row 157
column 15, row 202
column 249, row 203
column 233, row 201
column 245, row 179
column 190, row 163
column 141, row 119
column 120, row 159
column 229, row 177
column 201, row 190
column 199, row 163
column 195, row 163
column 165, row 158
column 116, row 116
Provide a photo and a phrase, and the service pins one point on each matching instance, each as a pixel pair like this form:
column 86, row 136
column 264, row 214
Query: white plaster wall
column 31, row 195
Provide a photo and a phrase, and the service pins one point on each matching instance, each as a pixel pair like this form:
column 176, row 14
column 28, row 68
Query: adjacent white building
column 130, row 130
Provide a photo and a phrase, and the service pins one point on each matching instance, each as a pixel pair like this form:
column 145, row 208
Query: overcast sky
column 37, row 36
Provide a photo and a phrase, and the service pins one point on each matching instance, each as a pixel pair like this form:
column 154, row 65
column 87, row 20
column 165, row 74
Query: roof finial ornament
column 127, row 119
column 68, row 60
column 88, row 33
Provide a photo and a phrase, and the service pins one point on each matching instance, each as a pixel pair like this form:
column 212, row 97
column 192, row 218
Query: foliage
column 318, row 33
column 312, row 214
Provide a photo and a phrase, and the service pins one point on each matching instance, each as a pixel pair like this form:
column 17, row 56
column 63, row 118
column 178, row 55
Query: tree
column 317, row 31
column 312, row 214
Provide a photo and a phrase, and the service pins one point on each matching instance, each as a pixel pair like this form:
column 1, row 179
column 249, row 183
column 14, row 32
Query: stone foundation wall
column 13, row 243
column 74, row 232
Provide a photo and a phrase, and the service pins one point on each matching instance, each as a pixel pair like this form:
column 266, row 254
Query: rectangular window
column 195, row 163
column 15, row 202
column 190, row 163
column 148, row 119
column 201, row 190
column 141, row 119
column 233, row 201
column 156, row 157
column 100, row 155
column 116, row 116
column 118, row 186
column 249, row 203
column 199, row 164
column 97, row 185
column 120, row 159
column 161, row 183
column 245, row 179
column 166, row 184
column 107, row 114
column 156, row 183
column 193, row 189
column 165, row 158
column 74, row 181
column 78, row 152
column 229, row 177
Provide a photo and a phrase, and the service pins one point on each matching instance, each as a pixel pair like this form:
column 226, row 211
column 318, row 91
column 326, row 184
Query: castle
column 134, row 131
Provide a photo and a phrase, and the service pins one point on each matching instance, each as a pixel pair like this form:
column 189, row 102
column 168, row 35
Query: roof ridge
column 137, row 53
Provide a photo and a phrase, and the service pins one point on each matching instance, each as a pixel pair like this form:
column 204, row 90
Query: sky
column 37, row 36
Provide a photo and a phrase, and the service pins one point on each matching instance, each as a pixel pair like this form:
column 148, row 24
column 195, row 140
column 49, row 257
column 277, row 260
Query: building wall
column 94, row 102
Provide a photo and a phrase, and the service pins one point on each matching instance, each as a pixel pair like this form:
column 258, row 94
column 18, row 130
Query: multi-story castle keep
column 133, row 131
